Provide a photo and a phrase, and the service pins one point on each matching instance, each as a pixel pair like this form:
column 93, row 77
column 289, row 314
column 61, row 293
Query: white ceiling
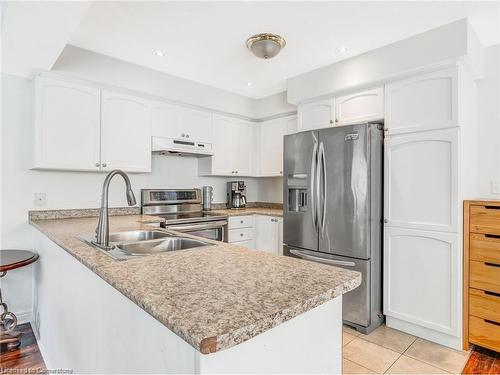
column 205, row 41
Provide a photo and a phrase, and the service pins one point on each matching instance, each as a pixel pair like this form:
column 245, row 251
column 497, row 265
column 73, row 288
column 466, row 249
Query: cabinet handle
column 241, row 221
column 331, row 121
column 187, row 135
column 386, row 221
column 491, row 322
column 183, row 135
column 97, row 164
column 492, row 236
column 492, row 207
column 241, row 234
column 104, row 165
column 491, row 264
column 491, row 293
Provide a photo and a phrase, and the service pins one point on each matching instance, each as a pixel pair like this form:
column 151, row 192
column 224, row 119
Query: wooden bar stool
column 10, row 260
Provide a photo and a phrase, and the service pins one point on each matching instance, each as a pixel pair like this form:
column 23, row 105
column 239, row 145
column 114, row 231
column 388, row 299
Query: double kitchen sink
column 131, row 244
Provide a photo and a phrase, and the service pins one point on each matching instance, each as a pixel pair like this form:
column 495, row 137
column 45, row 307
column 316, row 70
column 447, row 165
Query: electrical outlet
column 40, row 199
column 495, row 187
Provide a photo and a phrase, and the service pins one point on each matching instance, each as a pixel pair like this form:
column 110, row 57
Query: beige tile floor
column 388, row 351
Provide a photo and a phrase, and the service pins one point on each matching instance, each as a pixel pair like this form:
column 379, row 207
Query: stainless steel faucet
column 102, row 230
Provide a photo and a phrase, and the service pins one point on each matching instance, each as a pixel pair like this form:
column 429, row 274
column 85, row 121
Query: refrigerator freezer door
column 300, row 190
column 356, row 304
column 346, row 209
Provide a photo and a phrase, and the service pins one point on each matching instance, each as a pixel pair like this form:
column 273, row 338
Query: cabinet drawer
column 240, row 234
column 485, row 276
column 240, row 221
column 485, row 219
column 484, row 333
column 485, row 247
column 484, row 304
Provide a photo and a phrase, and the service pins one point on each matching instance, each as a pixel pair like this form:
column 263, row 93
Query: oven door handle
column 193, row 227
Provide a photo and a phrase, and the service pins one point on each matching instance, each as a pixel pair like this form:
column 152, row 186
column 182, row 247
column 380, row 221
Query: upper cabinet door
column 166, row 120
column 67, row 125
column 360, row 107
column 271, row 148
column 221, row 162
column 125, row 133
column 242, row 152
column 316, row 115
column 421, row 180
column 424, row 102
column 197, row 125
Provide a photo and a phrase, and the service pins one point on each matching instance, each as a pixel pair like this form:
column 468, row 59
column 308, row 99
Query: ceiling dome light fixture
column 265, row 45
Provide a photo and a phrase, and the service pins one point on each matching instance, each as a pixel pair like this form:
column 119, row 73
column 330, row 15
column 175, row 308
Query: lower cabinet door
column 422, row 278
column 267, row 230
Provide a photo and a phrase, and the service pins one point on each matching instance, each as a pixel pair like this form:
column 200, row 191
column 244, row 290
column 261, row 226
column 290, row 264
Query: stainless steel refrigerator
column 333, row 209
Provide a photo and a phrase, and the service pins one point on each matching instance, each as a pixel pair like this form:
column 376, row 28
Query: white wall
column 450, row 42
column 76, row 189
column 488, row 124
column 272, row 105
column 83, row 64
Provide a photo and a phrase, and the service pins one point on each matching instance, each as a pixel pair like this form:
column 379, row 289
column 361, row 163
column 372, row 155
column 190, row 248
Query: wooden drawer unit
column 241, row 221
column 485, row 247
column 481, row 323
column 484, row 304
column 485, row 276
column 485, row 218
column 484, row 333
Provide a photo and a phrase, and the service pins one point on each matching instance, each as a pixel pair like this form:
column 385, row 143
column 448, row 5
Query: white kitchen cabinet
column 166, row 120
column 359, row 107
column 271, row 147
column 421, row 278
column 177, row 122
column 421, row 180
column 233, row 148
column 125, row 132
column 197, row 125
column 428, row 168
column 67, row 126
column 267, row 233
column 316, row 115
column 423, row 102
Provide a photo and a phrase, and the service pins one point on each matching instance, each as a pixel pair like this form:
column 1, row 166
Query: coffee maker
column 236, row 194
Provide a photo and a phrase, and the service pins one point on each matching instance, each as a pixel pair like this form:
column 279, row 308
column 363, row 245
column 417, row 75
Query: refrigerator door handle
column 314, row 167
column 323, row 179
column 319, row 259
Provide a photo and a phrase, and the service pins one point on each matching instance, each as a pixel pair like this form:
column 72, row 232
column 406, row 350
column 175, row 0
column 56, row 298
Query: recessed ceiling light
column 342, row 49
column 158, row 53
column 249, row 84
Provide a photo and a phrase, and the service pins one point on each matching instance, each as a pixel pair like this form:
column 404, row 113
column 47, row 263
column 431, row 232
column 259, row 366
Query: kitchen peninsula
column 215, row 309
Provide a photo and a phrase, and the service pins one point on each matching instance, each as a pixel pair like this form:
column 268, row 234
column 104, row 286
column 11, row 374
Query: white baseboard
column 24, row 316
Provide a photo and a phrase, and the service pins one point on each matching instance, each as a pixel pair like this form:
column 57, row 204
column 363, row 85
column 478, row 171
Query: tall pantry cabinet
column 429, row 146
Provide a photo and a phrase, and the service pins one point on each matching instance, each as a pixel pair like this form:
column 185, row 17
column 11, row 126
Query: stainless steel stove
column 183, row 212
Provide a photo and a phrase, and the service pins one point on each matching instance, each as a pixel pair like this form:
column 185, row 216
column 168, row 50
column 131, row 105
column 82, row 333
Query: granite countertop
column 213, row 297
column 249, row 211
